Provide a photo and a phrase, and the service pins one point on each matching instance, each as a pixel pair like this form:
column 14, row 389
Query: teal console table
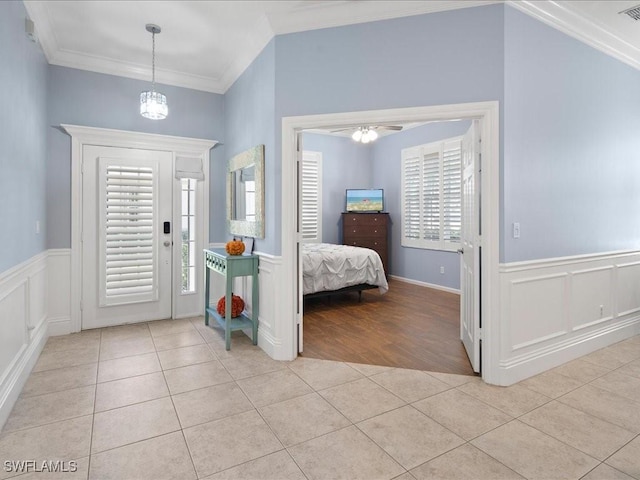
column 231, row 266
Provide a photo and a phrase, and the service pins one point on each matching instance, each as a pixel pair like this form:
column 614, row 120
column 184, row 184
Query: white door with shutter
column 470, row 256
column 311, row 197
column 126, row 251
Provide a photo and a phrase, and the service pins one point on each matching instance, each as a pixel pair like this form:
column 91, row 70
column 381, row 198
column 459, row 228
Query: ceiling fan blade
column 389, row 127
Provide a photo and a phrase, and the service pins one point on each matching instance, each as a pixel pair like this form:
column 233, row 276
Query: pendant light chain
column 153, row 61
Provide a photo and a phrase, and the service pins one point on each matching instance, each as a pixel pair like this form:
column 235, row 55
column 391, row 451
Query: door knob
column 460, row 251
column 167, row 243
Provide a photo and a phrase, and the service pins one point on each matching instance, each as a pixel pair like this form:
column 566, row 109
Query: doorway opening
column 487, row 115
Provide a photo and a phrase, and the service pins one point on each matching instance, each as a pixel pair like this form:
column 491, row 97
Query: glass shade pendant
column 153, row 104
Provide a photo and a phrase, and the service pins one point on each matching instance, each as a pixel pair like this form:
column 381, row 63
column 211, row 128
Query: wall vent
column 633, row 12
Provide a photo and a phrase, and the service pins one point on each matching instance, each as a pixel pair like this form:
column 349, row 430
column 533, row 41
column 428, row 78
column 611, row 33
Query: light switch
column 516, row 230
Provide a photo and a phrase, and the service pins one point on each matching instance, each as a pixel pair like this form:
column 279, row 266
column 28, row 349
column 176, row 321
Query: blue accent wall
column 440, row 58
column 345, row 164
column 78, row 97
column 23, row 140
column 571, row 146
column 250, row 121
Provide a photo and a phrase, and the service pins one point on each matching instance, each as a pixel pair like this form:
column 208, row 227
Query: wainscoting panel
column 23, row 326
column 537, row 309
column 59, row 298
column 628, row 291
column 554, row 311
column 597, row 286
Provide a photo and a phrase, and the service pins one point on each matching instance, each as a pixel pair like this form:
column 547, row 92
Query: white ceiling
column 206, row 45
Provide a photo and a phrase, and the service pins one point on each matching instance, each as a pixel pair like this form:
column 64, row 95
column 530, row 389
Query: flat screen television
column 361, row 200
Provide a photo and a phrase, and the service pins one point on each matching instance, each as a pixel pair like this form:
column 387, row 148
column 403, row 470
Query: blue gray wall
column 250, row 121
column 345, row 164
column 23, row 140
column 440, row 58
column 413, row 263
column 571, row 146
column 77, row 97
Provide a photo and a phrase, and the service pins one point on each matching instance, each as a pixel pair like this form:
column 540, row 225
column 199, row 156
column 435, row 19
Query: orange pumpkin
column 235, row 247
column 237, row 306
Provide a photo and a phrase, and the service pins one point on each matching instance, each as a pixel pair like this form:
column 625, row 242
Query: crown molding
column 561, row 17
column 109, row 66
column 314, row 16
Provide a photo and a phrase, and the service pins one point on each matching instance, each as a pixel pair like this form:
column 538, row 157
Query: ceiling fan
column 367, row 133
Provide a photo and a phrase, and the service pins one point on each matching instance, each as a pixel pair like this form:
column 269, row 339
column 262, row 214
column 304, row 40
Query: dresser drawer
column 364, row 219
column 365, row 231
column 376, row 244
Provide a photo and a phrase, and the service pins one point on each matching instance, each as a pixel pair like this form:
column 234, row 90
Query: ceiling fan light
column 365, row 139
column 373, row 135
column 357, row 135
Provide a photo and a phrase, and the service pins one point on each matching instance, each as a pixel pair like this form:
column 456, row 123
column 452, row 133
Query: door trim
column 489, row 113
column 81, row 136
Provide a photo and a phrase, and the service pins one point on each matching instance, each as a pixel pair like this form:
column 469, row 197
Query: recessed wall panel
column 537, row 310
column 628, row 288
column 590, row 297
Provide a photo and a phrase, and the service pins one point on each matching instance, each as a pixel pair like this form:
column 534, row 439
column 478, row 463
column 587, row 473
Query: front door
column 470, row 255
column 126, row 235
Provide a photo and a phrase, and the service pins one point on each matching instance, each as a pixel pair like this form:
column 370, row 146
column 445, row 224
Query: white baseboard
column 425, row 284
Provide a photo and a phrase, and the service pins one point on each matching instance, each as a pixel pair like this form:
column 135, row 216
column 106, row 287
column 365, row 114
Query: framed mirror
column 245, row 193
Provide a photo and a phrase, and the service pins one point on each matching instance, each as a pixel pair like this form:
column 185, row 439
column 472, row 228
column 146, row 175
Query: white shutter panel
column 128, row 263
column 311, row 201
column 411, row 196
column 431, row 196
column 451, row 190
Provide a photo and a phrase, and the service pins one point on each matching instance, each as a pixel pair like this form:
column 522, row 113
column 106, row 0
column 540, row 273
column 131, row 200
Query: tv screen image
column 361, row 200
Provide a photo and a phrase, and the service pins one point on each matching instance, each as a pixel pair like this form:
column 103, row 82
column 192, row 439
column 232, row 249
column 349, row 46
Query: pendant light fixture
column 153, row 104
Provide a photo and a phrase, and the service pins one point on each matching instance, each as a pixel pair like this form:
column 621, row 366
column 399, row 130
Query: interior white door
column 299, row 239
column 126, row 244
column 470, row 255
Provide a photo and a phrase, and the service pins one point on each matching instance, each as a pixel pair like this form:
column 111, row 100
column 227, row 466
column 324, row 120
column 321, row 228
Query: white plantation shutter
column 311, row 201
column 127, row 219
column 431, row 196
column 431, row 205
column 411, row 188
column 451, row 191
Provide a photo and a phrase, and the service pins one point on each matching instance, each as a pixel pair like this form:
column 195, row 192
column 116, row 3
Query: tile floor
column 164, row 400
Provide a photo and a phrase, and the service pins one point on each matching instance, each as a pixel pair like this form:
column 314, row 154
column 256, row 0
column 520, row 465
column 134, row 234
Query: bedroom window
column 431, row 195
column 188, row 235
column 311, row 197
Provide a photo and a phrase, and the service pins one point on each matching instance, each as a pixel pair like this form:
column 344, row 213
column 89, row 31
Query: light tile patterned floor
column 164, row 400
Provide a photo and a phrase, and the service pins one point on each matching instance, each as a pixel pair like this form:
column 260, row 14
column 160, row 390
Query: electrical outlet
column 441, row 269
column 37, row 227
column 516, row 230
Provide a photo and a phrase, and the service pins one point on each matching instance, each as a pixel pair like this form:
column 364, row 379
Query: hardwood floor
column 409, row 327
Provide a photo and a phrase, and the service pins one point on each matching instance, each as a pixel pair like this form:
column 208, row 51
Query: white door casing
column 82, row 136
column 126, row 256
column 299, row 235
column 488, row 112
column 469, row 241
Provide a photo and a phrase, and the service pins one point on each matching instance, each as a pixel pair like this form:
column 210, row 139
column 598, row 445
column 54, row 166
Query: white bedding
column 330, row 267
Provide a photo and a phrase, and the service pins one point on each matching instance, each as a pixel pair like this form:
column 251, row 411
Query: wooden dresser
column 369, row 230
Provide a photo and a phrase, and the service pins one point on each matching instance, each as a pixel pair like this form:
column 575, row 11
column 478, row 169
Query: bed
column 328, row 268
